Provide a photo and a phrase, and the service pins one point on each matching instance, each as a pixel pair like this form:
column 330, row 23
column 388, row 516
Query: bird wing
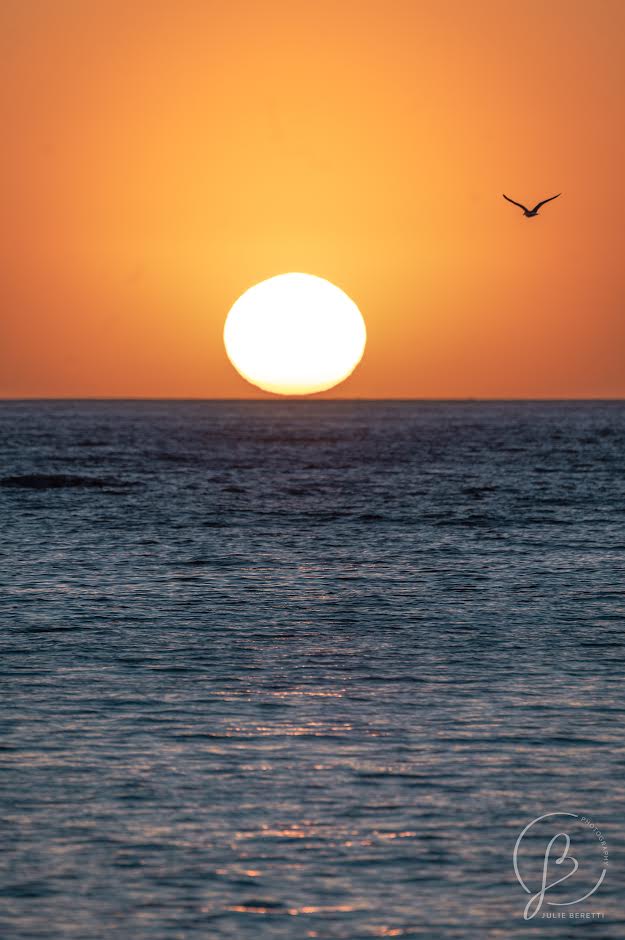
column 515, row 203
column 539, row 204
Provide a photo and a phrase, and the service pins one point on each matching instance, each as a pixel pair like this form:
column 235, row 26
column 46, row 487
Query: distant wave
column 55, row 481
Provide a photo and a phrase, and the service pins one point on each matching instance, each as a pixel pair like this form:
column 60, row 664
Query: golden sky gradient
column 158, row 158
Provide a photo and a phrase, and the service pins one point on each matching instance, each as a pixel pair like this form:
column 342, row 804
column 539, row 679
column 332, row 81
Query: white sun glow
column 295, row 334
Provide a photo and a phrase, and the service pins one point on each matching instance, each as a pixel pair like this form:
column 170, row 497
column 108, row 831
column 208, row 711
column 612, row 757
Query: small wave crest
column 55, row 481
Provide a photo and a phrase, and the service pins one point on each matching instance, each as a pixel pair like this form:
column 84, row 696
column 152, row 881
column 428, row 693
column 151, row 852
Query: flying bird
column 530, row 213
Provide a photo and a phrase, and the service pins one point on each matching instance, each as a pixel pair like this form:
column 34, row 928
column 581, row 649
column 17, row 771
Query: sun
column 295, row 334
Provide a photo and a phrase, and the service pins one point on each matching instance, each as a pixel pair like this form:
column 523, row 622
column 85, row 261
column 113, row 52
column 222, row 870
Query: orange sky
column 158, row 158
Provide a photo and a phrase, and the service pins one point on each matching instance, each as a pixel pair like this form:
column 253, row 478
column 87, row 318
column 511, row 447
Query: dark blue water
column 307, row 669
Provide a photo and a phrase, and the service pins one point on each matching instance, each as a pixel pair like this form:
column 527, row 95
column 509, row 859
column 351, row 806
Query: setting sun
column 295, row 334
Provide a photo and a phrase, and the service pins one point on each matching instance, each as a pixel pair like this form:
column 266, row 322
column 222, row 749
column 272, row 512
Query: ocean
column 291, row 669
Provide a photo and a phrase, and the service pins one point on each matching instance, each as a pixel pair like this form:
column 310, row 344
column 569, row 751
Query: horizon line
column 305, row 398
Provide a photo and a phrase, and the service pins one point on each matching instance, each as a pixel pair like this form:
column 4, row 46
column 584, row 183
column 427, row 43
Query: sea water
column 308, row 668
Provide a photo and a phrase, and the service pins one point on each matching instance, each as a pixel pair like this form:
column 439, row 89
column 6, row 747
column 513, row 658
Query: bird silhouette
column 530, row 213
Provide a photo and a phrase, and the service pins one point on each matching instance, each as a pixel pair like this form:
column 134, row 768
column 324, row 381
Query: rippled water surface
column 307, row 669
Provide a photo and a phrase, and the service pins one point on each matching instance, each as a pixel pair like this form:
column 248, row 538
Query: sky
column 159, row 158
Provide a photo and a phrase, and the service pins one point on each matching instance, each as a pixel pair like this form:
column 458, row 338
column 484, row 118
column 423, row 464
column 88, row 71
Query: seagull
column 531, row 213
